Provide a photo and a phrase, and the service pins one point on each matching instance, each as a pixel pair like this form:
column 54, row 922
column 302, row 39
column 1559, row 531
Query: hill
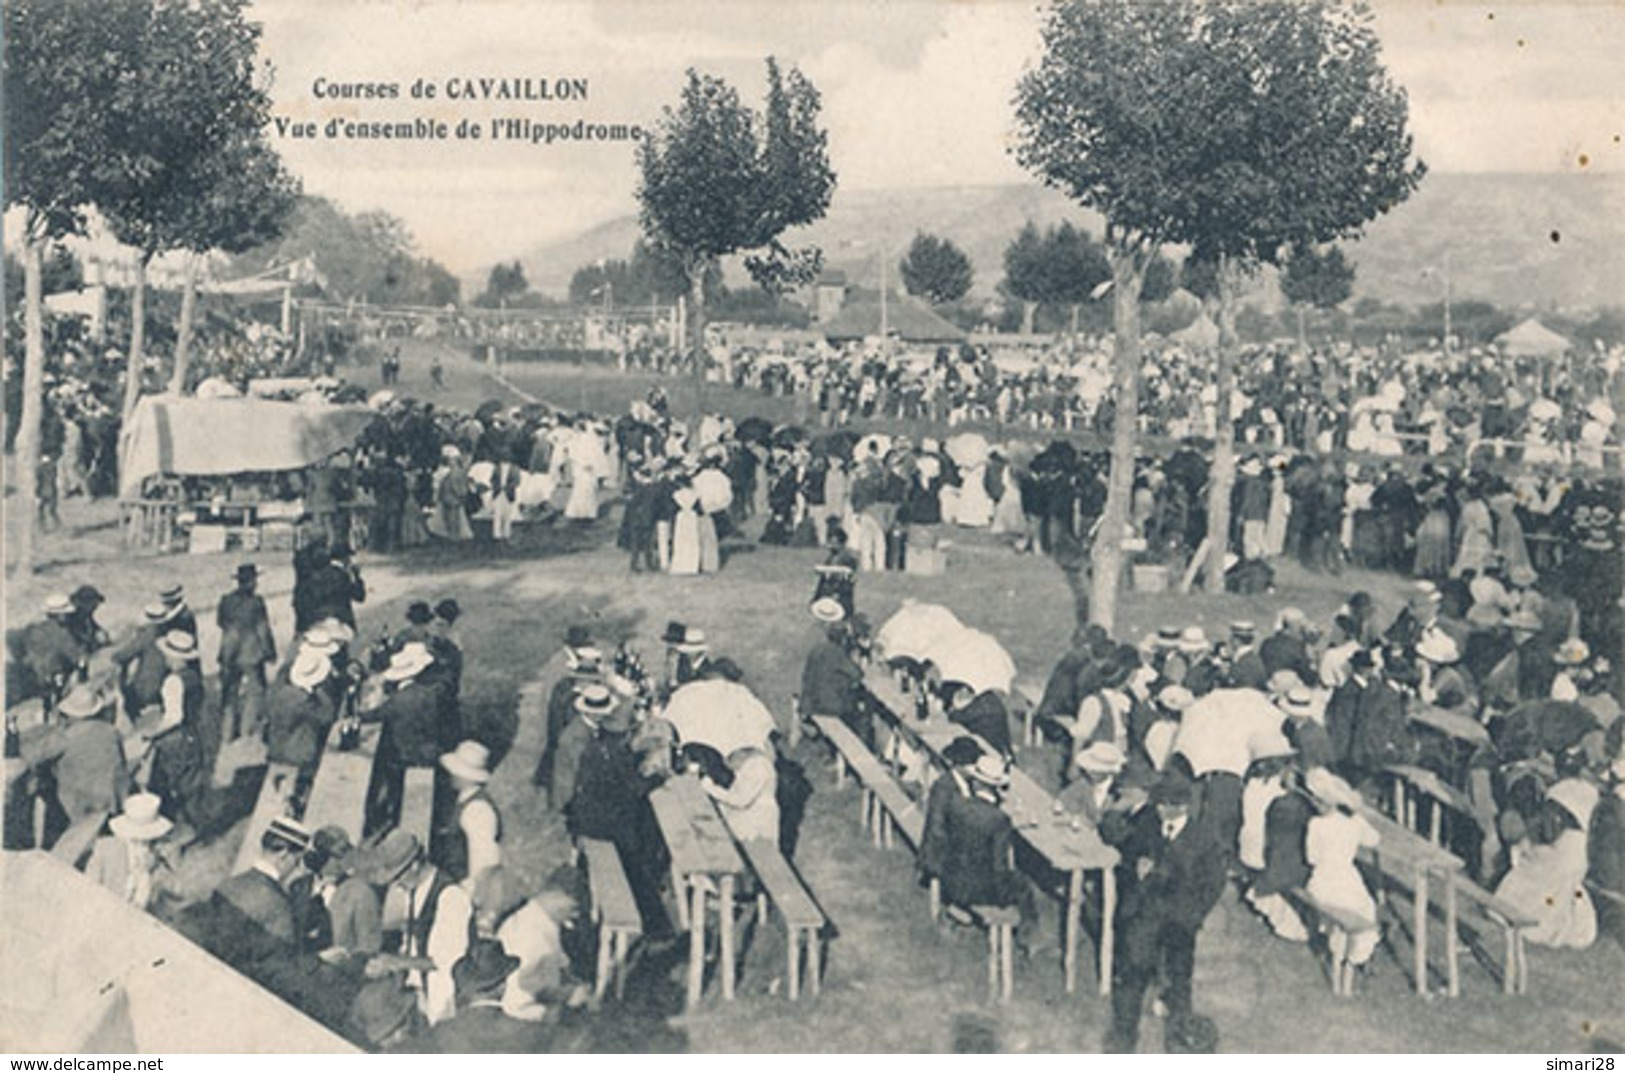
column 1515, row 240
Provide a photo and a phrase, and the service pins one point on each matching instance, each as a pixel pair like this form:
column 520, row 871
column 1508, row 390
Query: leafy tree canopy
column 936, row 269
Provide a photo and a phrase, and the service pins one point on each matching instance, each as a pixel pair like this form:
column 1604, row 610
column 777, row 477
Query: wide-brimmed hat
column 1331, row 789
column 1572, row 652
column 58, row 604
column 141, row 821
column 1578, row 799
column 178, row 643
column 470, row 760
column 1101, row 758
column 158, row 611
column 483, row 968
column 310, row 669
column 1193, row 639
column 82, row 702
column 991, row 770
column 392, row 856
column 1436, row 646
column 693, row 640
column 1176, row 698
column 827, row 609
column 412, row 660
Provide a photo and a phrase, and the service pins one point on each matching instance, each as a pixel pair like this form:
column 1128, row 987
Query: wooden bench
column 887, row 807
column 803, row 920
column 614, row 912
column 1513, row 923
column 1000, row 924
column 417, row 803
column 1341, row 969
column 276, row 799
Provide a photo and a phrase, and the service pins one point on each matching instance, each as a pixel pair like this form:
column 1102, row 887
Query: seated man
column 967, row 844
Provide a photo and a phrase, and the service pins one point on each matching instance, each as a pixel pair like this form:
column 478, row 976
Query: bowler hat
column 247, row 572
column 87, row 596
column 418, row 613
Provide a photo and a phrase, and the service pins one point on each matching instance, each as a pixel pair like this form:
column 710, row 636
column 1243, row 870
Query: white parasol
column 975, row 658
column 915, row 629
column 722, row 714
column 1227, row 728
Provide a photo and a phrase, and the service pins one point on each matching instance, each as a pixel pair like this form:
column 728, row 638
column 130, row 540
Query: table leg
column 1108, row 927
column 696, row 945
column 1420, row 931
column 1452, row 966
column 726, row 911
column 1074, row 895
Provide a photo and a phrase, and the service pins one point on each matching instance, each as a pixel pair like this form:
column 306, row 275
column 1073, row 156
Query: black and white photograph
column 605, row 527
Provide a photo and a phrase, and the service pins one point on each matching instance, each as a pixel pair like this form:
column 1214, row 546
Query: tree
column 61, row 95
column 192, row 169
column 935, row 269
column 1311, row 277
column 1077, row 268
column 505, row 284
column 716, row 178
column 1026, row 276
column 1274, row 124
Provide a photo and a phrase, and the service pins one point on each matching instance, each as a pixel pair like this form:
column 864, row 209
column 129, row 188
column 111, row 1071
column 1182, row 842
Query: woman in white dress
column 1477, row 528
column 685, row 530
column 1547, row 880
column 587, row 462
column 1331, row 843
column 975, row 507
column 1280, row 509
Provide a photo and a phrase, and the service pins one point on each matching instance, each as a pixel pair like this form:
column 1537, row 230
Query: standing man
column 91, row 777
column 175, row 763
column 1170, row 876
column 470, row 842
column 246, row 646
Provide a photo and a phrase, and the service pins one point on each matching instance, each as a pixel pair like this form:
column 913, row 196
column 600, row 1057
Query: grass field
column 894, row 983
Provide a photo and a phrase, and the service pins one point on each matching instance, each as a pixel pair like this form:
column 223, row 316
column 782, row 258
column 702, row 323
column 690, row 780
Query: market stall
column 209, row 474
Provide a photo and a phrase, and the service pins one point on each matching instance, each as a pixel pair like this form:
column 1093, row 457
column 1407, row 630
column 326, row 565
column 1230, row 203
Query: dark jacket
column 418, row 725
column 484, row 1029
column 988, row 718
column 296, row 725
column 245, row 630
column 966, row 845
column 831, row 683
column 1367, row 726
column 1186, row 875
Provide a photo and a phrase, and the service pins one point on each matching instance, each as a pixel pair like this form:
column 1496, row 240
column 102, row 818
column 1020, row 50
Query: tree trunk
column 138, row 338
column 183, row 333
column 1303, row 331
column 1075, row 308
column 1027, row 311
column 696, row 298
column 1128, row 275
column 1221, row 481
column 28, row 426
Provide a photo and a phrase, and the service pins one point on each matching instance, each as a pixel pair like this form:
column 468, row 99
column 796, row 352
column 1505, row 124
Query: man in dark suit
column 246, row 646
column 257, row 910
column 968, row 838
column 832, row 683
column 1170, row 875
column 1365, row 718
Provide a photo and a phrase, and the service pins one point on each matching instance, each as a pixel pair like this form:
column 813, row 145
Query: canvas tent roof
column 912, row 321
column 87, row 972
column 173, row 435
column 1531, row 338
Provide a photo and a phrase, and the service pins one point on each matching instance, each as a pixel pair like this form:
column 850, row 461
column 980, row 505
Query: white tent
column 1532, row 339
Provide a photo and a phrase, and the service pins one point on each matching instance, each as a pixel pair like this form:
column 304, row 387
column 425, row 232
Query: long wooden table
column 1409, row 857
column 338, row 795
column 703, row 858
column 1068, row 848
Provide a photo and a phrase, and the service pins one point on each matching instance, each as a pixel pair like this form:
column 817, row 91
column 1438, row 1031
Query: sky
column 915, row 93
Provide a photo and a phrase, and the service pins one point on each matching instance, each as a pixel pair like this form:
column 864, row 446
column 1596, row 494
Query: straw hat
column 1524, row 620
column 1176, row 698
column 141, row 821
column 412, row 660
column 178, row 643
column 990, row 770
column 693, row 640
column 1437, row 647
column 470, row 760
column 1283, row 682
column 1193, row 639
column 827, row 609
column 595, row 700
column 82, row 702
column 1101, row 758
column 58, row 604
column 1298, row 701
